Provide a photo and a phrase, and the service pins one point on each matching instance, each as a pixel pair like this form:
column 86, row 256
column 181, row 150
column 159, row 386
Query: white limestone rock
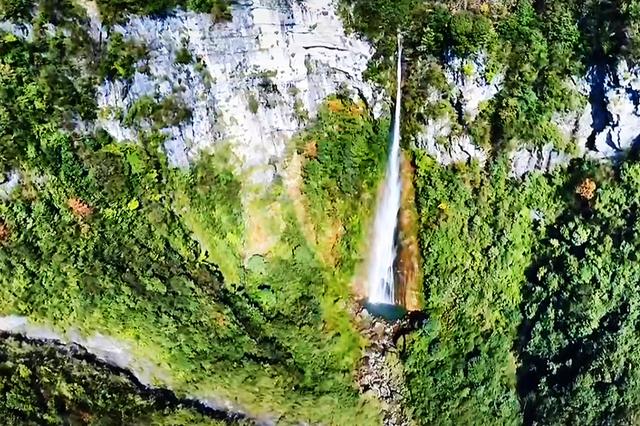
column 547, row 158
column 471, row 87
column 441, row 137
column 9, row 184
column 287, row 56
column 607, row 126
column 21, row 30
column 445, row 146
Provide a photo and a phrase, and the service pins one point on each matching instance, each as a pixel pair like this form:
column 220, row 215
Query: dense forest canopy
column 530, row 283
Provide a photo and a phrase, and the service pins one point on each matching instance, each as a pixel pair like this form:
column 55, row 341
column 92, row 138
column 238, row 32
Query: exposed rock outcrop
column 445, row 137
column 606, row 127
column 21, row 30
column 9, row 183
column 252, row 82
column 471, row 84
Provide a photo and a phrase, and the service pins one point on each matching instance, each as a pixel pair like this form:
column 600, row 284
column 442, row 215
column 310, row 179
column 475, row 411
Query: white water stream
column 381, row 277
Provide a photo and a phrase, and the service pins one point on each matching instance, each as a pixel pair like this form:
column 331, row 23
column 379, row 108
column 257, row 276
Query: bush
column 120, row 58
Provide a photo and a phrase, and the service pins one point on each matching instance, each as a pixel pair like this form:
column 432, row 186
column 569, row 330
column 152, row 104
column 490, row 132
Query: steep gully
column 165, row 397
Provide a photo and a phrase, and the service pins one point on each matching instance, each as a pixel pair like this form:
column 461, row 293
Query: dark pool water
column 388, row 312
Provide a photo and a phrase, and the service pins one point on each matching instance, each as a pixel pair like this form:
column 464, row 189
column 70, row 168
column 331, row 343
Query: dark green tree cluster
column 114, row 11
column 117, row 10
column 581, row 322
column 476, row 239
column 41, row 386
column 530, row 293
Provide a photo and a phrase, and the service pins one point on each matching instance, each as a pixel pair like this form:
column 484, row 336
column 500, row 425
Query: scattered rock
column 380, row 371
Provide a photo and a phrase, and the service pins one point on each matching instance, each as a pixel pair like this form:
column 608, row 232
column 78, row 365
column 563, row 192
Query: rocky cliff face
column 253, row 81
column 606, row 127
column 442, row 137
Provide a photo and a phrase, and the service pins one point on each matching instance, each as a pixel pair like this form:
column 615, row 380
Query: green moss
column 253, row 103
column 184, row 56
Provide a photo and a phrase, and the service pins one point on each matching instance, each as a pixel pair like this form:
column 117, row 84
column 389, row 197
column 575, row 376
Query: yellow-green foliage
column 104, row 237
column 477, row 236
column 343, row 159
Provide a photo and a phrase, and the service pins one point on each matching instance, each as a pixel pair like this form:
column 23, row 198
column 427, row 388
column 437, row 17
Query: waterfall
column 381, row 274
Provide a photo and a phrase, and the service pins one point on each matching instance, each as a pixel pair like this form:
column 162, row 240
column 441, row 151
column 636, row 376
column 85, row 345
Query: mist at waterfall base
column 381, row 276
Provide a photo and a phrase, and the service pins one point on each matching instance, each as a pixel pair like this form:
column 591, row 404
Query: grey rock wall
column 605, row 128
column 253, row 80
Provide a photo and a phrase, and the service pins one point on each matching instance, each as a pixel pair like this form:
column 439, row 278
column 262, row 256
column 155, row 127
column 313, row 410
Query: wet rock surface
column 380, row 373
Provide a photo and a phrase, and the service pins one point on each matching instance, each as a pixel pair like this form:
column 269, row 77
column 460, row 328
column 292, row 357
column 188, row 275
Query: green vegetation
column 529, row 294
column 44, row 387
column 254, row 104
column 537, row 45
column 117, row 10
column 169, row 111
column 15, row 9
column 477, row 237
column 105, row 237
column 244, row 293
column 120, row 58
column 529, row 285
column 184, row 56
column 580, row 326
column 344, row 164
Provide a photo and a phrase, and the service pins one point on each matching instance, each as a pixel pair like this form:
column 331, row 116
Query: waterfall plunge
column 381, row 277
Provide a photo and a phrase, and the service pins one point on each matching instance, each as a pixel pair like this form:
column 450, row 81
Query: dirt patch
column 311, row 149
column 292, row 179
column 263, row 228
